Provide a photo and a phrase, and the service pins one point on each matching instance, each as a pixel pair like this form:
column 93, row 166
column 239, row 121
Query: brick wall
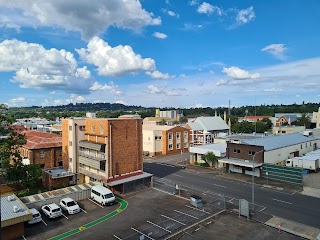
column 50, row 159
column 244, row 152
column 165, row 140
column 49, row 183
column 13, row 232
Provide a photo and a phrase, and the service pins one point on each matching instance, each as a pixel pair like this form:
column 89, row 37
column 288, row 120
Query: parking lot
column 149, row 212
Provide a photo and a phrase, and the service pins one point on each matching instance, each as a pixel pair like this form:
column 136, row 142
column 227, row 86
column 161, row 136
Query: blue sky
column 159, row 53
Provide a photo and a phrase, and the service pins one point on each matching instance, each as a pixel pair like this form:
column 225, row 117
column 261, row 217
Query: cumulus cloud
column 159, row 75
column 207, row 8
column 160, row 35
column 18, row 100
column 238, row 73
column 173, row 14
column 153, row 89
column 273, row 90
column 39, row 68
column 245, row 16
column 112, row 88
column 88, row 17
column 276, row 50
column 193, row 2
column 114, row 61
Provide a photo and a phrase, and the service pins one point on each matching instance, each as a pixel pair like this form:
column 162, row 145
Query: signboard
column 243, row 208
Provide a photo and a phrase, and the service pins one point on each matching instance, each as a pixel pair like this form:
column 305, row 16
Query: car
column 52, row 210
column 69, row 205
column 36, row 216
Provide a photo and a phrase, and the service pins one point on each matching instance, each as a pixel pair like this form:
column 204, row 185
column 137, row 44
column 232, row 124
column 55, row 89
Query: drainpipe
column 110, row 150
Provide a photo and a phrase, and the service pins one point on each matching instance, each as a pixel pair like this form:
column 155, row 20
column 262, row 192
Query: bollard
column 279, row 229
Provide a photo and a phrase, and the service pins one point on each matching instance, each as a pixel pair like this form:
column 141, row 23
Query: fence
column 282, row 173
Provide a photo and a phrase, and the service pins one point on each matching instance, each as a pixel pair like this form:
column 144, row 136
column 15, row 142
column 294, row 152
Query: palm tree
column 210, row 159
column 304, row 120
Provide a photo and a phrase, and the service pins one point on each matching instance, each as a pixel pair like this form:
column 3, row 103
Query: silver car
column 52, row 210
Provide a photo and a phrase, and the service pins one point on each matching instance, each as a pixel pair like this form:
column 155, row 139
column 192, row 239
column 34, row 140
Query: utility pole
column 253, row 171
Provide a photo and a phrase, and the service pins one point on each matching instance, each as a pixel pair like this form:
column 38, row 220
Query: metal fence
column 282, row 173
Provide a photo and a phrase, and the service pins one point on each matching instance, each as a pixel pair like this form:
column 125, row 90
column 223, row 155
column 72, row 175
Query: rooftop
column 156, row 127
column 13, row 211
column 208, row 124
column 39, row 140
column 219, row 149
column 58, row 172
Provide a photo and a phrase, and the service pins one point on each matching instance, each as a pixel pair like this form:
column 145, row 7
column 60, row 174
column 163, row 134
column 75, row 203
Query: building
column 43, row 148
column 252, row 153
column 203, row 130
column 172, row 114
column 54, row 178
column 163, row 140
column 284, row 118
column 105, row 150
column 218, row 149
column 316, row 118
column 14, row 214
column 287, row 129
column 253, row 118
column 158, row 121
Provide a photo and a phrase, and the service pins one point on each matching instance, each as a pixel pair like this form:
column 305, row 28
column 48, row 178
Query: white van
column 102, row 195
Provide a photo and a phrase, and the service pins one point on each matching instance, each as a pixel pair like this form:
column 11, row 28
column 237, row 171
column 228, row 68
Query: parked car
column 52, row 210
column 69, row 205
column 102, row 195
column 36, row 216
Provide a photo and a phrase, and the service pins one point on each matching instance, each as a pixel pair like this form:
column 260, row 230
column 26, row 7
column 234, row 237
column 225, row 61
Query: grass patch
column 201, row 164
column 27, row 192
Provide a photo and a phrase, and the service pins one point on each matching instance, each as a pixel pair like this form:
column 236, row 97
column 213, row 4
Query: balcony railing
column 94, row 156
column 90, row 174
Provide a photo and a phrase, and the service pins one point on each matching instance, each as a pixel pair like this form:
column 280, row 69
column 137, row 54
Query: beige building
column 287, row 129
column 316, row 118
column 163, row 140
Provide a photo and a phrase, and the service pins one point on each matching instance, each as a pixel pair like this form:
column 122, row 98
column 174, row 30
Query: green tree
column 210, row 158
column 33, row 173
column 268, row 122
column 183, row 119
column 162, row 122
column 304, row 120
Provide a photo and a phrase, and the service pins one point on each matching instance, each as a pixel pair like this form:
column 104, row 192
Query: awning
column 92, row 145
column 240, row 162
column 129, row 179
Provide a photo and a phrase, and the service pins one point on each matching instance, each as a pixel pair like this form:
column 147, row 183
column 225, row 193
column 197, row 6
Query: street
column 290, row 205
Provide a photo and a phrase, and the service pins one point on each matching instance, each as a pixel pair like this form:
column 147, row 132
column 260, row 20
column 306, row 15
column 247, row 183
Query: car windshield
column 110, row 195
column 36, row 215
column 56, row 210
column 70, row 204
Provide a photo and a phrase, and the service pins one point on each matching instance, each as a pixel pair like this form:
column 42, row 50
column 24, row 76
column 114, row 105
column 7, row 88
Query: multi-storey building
column 104, row 150
column 165, row 140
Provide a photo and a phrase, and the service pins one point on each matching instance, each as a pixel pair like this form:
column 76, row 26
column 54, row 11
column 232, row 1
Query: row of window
column 249, row 153
column 42, row 153
column 178, row 136
column 81, row 128
column 178, row 146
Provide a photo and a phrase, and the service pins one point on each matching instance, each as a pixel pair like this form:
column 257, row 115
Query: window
column 301, row 146
column 185, row 144
column 178, row 135
column 178, row 145
column 185, row 135
column 42, row 165
column 103, row 165
column 92, row 128
column 170, row 136
column 60, row 152
column 236, row 150
column 82, row 128
column 101, row 130
column 70, row 159
column 70, row 143
column 252, row 153
column 70, row 128
column 306, row 145
column 170, row 146
column 156, row 137
column 41, row 154
column 60, row 163
column 161, row 137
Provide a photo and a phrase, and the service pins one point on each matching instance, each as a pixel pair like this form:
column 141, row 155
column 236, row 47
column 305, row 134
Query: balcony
column 98, row 156
column 90, row 174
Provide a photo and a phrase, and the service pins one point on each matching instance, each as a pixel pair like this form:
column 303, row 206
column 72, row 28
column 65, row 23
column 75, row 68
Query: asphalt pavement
column 290, row 205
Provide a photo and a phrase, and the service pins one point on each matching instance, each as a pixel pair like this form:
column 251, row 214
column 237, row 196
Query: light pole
column 253, row 171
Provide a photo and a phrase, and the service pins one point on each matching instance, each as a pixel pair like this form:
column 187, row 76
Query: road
column 289, row 205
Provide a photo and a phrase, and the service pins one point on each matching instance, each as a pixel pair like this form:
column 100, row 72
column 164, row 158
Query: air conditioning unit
column 11, row 198
column 16, row 209
column 64, row 173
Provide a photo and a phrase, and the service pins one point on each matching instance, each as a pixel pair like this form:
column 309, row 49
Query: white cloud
column 153, row 89
column 276, row 50
column 192, row 27
column 120, row 101
column 114, row 61
column 18, row 100
column 58, row 102
column 199, row 105
column 245, row 16
column 160, row 35
column 273, row 90
column 159, row 75
column 88, row 17
column 193, row 2
column 52, row 93
column 112, row 88
column 39, row 68
column 172, row 14
column 238, row 73
column 207, row 8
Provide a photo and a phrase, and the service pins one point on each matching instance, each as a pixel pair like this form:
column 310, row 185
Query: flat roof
column 8, row 216
column 239, row 162
column 216, row 148
column 58, row 172
column 129, row 179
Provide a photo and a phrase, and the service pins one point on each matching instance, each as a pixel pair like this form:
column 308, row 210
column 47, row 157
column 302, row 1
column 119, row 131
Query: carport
column 242, row 166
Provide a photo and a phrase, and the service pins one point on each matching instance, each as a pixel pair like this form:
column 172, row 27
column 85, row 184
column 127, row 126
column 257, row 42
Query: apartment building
column 107, row 150
column 164, row 140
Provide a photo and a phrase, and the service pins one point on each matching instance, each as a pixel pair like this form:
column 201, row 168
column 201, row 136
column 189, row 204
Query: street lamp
column 253, row 171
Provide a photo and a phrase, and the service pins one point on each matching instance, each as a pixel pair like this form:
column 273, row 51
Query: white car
column 36, row 216
column 52, row 210
column 69, row 205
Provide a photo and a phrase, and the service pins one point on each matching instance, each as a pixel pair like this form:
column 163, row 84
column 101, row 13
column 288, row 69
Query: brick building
column 163, row 140
column 104, row 150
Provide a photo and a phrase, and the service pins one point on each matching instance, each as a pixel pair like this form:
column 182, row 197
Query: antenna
column 229, row 110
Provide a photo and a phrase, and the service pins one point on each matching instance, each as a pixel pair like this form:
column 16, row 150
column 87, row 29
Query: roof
column 208, row 124
column 279, row 141
column 8, row 216
column 156, row 127
column 58, row 172
column 158, row 119
column 39, row 140
column 218, row 149
column 240, row 162
column 256, row 117
column 129, row 179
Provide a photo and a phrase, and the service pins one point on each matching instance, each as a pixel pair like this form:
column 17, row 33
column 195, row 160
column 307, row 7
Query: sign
column 243, row 208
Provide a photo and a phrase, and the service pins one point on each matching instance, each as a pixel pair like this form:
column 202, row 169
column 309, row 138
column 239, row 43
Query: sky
column 159, row 53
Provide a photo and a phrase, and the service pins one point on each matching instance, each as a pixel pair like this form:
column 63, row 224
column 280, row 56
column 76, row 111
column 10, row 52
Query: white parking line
column 44, row 222
column 281, row 201
column 24, row 237
column 176, row 175
column 83, row 210
column 65, row 216
column 262, row 209
column 117, row 237
column 95, row 203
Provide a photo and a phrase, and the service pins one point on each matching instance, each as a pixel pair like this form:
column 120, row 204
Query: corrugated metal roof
column 8, row 216
column 279, row 141
column 129, row 179
column 219, row 149
column 240, row 162
column 208, row 124
column 156, row 127
column 38, row 140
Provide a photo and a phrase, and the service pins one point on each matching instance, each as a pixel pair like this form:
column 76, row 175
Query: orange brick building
column 103, row 150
